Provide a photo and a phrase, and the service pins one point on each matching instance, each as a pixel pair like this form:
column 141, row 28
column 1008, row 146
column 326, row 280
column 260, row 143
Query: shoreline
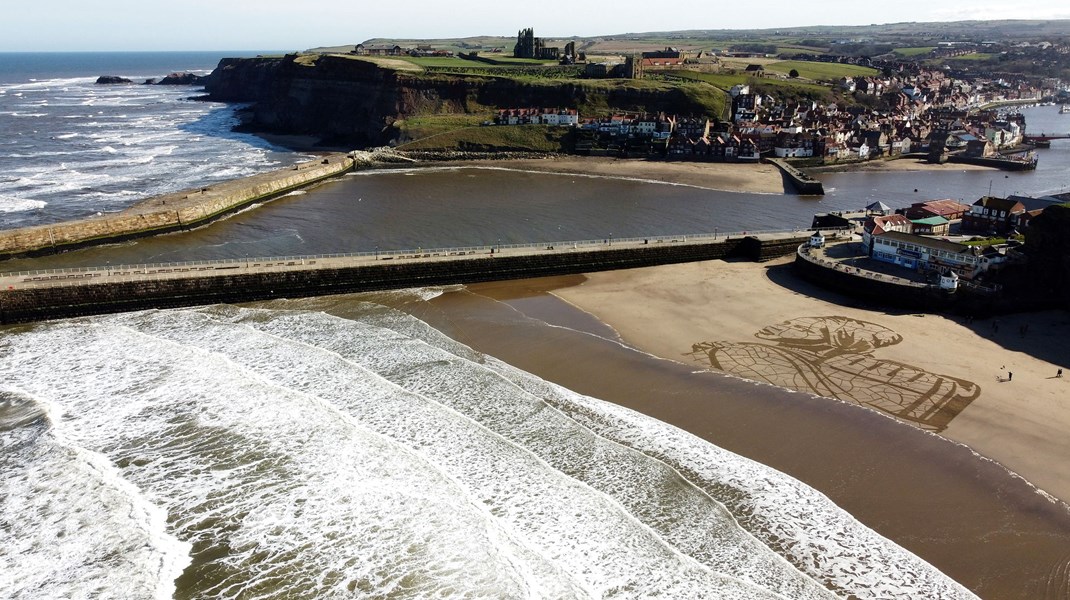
column 997, row 375
column 894, row 165
column 968, row 516
column 727, row 177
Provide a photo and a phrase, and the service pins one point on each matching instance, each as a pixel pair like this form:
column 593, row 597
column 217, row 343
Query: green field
column 911, row 52
column 725, row 81
column 773, row 85
column 820, row 71
column 425, row 126
column 438, row 61
column 973, row 56
column 506, row 60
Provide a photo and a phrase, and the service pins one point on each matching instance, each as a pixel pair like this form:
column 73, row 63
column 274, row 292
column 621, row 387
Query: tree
column 794, row 73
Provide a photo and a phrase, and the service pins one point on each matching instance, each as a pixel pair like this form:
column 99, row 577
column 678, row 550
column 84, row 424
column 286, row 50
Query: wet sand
column 998, row 375
column 897, row 165
column 968, row 516
column 729, row 177
column 759, row 178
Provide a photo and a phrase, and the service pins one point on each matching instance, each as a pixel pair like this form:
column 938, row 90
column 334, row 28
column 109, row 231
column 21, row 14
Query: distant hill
column 814, row 37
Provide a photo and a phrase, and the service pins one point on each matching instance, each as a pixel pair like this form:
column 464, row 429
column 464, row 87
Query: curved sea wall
column 171, row 212
column 885, row 292
column 307, row 278
column 889, row 293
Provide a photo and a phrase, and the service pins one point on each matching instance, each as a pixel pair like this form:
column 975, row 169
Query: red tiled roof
column 943, row 207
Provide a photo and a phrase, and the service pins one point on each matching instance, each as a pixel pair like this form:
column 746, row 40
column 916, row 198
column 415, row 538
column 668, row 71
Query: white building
column 925, row 254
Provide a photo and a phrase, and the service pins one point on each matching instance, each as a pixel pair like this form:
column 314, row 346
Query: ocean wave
column 93, row 529
column 11, row 204
column 313, row 455
column 817, row 536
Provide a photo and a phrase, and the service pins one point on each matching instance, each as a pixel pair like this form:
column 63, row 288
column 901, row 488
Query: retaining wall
column 33, row 304
column 884, row 292
column 172, row 212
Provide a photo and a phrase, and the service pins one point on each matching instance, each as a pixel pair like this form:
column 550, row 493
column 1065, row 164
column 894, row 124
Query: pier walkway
column 58, row 293
column 228, row 267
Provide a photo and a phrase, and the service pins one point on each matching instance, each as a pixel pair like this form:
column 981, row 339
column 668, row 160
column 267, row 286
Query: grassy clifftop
column 360, row 102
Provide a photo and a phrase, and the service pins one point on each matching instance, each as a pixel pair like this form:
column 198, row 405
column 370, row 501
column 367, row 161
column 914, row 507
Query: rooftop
column 928, row 242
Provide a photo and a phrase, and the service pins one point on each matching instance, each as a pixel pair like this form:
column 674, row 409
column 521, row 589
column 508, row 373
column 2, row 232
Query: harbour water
column 353, row 446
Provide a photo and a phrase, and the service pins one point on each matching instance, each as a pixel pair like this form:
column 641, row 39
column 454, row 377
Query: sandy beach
column 731, row 177
column 999, row 376
column 972, row 519
column 897, row 165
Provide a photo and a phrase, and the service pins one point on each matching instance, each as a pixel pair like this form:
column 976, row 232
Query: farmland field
column 912, row 52
column 820, row 71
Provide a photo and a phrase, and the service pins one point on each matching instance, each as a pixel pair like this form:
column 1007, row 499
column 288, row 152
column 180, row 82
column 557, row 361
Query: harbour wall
column 49, row 302
column 171, row 212
column 803, row 183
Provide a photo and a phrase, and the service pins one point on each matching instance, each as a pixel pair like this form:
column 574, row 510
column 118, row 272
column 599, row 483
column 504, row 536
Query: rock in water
column 181, row 79
column 112, row 79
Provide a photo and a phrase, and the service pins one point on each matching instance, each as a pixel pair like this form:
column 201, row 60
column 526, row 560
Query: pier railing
column 161, row 270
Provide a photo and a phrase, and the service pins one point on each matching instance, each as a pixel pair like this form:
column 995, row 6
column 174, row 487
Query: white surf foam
column 73, row 526
column 317, row 456
column 11, row 204
column 778, row 509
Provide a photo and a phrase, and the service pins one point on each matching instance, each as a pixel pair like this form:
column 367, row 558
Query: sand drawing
column 833, row 356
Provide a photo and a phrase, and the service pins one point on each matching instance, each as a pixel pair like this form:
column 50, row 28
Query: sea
column 70, row 148
column 349, row 447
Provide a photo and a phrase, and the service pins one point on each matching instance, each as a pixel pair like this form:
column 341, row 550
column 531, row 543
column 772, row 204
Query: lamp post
column 377, row 252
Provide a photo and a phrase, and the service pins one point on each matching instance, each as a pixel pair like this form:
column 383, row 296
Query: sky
column 130, row 25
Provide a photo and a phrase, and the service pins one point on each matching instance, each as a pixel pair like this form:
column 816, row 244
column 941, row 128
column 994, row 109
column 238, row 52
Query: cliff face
column 333, row 98
column 356, row 102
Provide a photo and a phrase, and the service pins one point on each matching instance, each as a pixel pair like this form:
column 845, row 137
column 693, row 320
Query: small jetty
column 803, row 183
column 1022, row 162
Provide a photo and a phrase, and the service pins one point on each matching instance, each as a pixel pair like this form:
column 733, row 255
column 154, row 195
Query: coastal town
column 704, row 313
column 939, row 244
column 904, row 109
